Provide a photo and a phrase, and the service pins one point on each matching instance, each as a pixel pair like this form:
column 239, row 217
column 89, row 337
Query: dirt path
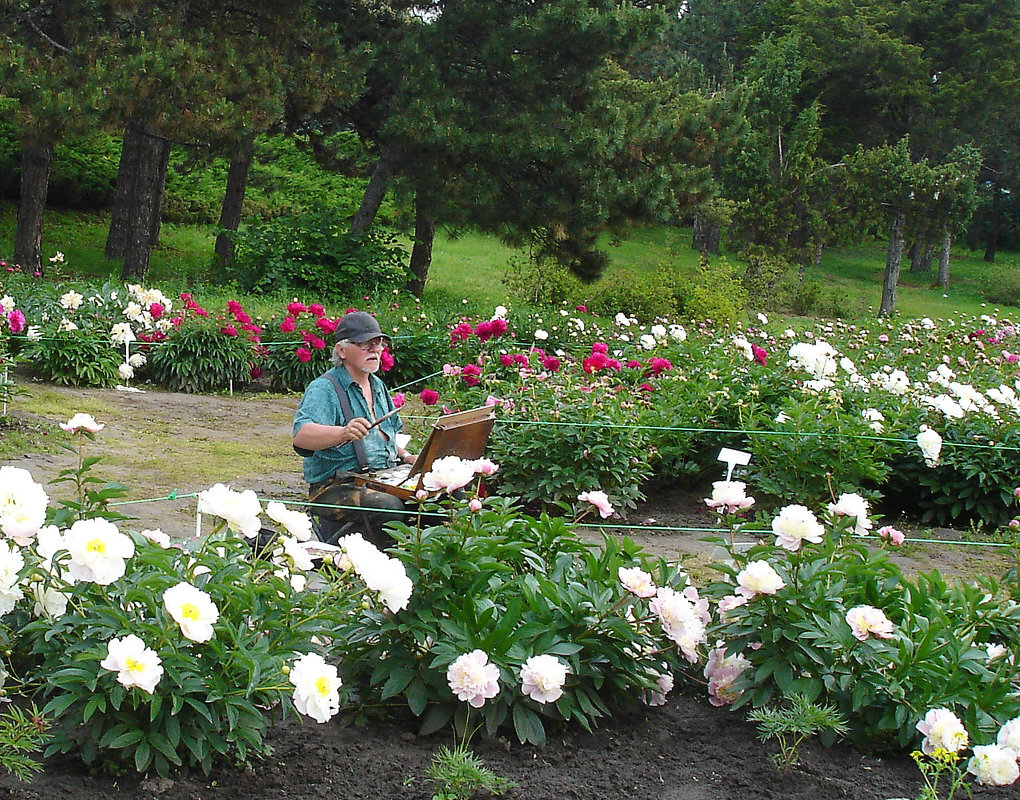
column 161, row 443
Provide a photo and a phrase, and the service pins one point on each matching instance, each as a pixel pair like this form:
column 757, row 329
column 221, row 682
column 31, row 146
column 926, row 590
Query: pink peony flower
column 657, row 697
column 542, row 678
column 729, row 497
column 449, row 473
column 386, row 361
column 894, row 537
column 228, row 330
column 16, row 321
column 868, row 621
column 721, row 672
column 796, row 524
column 758, row 577
column 600, row 500
column 461, row 332
column 156, row 310
column 942, row 728
column 659, row 365
column 317, row 343
column 475, row 504
column 484, row 466
column 506, row 360
column 599, row 347
column 551, row 364
column 469, row 374
column 304, row 355
column 429, row 397
column 326, row 325
column 399, row 398
column 473, row 678
column 636, row 581
column 234, row 307
column 316, row 310
column 296, row 308
column 681, row 620
column 82, row 422
column 760, row 355
column 632, row 364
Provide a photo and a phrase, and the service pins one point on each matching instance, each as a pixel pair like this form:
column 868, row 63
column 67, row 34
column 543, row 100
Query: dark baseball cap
column 358, row 327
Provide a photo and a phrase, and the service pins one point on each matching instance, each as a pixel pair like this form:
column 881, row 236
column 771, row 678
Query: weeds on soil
column 459, row 774
column 22, row 734
column 941, row 763
column 791, row 726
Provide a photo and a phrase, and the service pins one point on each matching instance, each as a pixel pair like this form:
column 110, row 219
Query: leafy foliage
column 75, row 358
column 200, row 358
column 314, row 252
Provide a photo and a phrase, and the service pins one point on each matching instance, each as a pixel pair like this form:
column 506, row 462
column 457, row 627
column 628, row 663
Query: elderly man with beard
column 334, row 430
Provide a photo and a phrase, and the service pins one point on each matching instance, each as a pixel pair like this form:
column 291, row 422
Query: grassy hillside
column 471, row 266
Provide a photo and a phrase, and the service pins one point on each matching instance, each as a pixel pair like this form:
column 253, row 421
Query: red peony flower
column 659, row 365
column 551, row 364
column 288, row 325
column 632, row 364
column 296, row 308
column 385, row 361
column 599, row 347
column 429, row 397
column 156, row 310
column 318, row 343
column 505, row 360
column 461, row 332
column 234, row 307
column 326, row 325
column 760, row 355
column 304, row 355
column 229, row 330
column 316, row 310
column 399, row 398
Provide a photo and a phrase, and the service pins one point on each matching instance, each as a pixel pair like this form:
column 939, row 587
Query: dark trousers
column 366, row 511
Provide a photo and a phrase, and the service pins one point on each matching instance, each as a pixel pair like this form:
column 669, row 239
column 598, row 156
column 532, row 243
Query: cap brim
column 361, row 338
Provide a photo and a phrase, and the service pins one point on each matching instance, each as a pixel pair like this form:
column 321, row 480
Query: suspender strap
column 345, row 404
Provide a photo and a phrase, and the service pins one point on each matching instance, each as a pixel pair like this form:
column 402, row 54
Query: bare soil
column 160, row 443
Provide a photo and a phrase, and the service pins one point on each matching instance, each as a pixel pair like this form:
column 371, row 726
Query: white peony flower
column 473, row 679
column 137, row 360
column 22, row 504
column 758, row 577
column 316, row 687
column 794, row 525
column 992, row 765
column 82, row 421
column 542, row 678
column 240, row 509
column 380, row 573
column 121, row 333
column 868, row 621
column 930, row 443
column 99, row 551
column 853, row 505
column 942, row 728
column 71, row 301
column 193, row 610
column 157, row 537
column 297, row 523
column 126, row 371
column 636, row 581
column 729, row 496
column 680, row 619
column 134, row 663
column 449, row 474
column 1009, row 736
column 66, row 325
column 541, row 335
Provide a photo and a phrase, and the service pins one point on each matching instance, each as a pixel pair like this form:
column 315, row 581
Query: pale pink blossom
column 473, row 678
column 657, row 696
column 721, row 672
column 1009, row 736
column 868, row 621
column 853, row 505
column 895, row 537
column 542, row 678
column 729, row 497
column 600, row 500
column 636, row 581
column 794, row 525
column 681, row 620
column 449, row 473
column 942, row 728
column 484, row 466
column 82, row 421
column 758, row 577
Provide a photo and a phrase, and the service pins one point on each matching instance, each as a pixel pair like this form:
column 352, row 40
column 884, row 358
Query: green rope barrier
column 172, row 496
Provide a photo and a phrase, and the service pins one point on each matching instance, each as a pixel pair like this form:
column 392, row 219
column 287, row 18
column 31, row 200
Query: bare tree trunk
column 36, row 160
column 917, row 251
column 706, row 235
column 947, row 243
column 122, row 212
column 233, row 198
column 893, row 259
column 994, row 223
column 146, row 203
column 375, row 191
column 424, row 235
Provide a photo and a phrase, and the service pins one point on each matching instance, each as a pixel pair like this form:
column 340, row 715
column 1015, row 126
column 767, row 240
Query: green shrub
column 799, row 641
column 643, row 295
column 198, row 357
column 542, row 283
column 713, row 292
column 75, row 358
column 313, row 252
column 770, row 280
column 514, row 586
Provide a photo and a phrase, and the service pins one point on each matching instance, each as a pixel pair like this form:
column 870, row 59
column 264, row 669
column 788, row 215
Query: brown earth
column 155, row 442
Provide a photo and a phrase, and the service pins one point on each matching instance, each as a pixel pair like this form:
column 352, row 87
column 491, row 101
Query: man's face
column 363, row 357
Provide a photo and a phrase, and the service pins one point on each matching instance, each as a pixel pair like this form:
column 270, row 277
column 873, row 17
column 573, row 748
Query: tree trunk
column 924, row 266
column 233, row 198
column 994, row 223
column 146, row 202
column 706, row 235
column 122, row 212
column 424, row 235
column 36, row 160
column 375, row 191
column 947, row 243
column 916, row 254
column 893, row 258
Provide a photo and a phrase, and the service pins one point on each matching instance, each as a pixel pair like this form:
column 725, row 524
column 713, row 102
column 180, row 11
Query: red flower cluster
column 191, row 305
column 760, row 355
column 551, row 364
column 659, row 365
column 492, row 329
column 599, row 360
column 429, row 397
column 470, row 372
column 461, row 332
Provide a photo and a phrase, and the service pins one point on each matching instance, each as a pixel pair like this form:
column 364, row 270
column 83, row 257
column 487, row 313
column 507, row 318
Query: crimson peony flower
column 461, row 332
column 296, row 308
column 317, row 343
column 429, row 397
column 386, row 361
column 551, row 364
column 288, row 325
column 229, row 330
column 316, row 310
column 156, row 310
column 304, row 355
column 326, row 325
column 599, row 347
column 760, row 355
column 399, row 398
column 234, row 307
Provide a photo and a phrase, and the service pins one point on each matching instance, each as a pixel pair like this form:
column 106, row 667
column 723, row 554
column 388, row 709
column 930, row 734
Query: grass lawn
column 472, row 266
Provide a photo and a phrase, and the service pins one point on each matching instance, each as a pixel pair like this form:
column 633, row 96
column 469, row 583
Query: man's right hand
column 356, row 429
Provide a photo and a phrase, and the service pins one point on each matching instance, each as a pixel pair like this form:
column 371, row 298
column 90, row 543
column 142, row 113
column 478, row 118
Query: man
column 339, row 442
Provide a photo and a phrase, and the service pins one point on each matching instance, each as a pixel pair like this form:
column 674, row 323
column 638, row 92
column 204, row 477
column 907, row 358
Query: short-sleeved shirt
column 320, row 404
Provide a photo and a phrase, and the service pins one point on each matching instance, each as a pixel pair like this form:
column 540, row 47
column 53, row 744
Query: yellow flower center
column 323, row 685
column 190, row 611
column 96, row 545
column 133, row 664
